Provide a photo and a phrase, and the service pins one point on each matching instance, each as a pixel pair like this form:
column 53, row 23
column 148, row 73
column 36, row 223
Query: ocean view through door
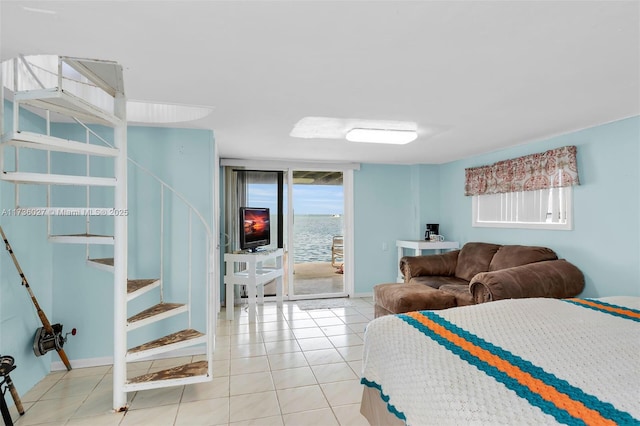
column 307, row 219
column 317, row 237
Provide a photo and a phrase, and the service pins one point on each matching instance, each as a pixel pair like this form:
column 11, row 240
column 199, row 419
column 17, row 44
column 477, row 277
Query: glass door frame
column 287, row 167
column 347, row 276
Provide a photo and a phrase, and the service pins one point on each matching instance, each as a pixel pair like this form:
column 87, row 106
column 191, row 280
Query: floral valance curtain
column 551, row 169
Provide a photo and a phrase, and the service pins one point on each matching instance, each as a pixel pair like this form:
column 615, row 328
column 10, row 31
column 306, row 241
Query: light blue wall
column 28, row 238
column 391, row 202
column 428, row 199
column 605, row 240
column 384, row 211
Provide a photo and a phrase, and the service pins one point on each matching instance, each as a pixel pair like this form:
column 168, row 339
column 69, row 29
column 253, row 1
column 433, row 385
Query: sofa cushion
column 474, row 258
column 552, row 278
column 461, row 292
column 401, row 297
column 510, row 256
column 436, row 281
column 440, row 264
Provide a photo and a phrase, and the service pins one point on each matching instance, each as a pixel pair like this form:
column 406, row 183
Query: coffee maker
column 432, row 229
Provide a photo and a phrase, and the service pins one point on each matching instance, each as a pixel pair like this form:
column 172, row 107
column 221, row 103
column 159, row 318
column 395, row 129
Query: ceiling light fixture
column 337, row 128
column 389, row 136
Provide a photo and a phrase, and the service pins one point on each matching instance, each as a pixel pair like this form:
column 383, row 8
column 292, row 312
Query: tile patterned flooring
column 291, row 367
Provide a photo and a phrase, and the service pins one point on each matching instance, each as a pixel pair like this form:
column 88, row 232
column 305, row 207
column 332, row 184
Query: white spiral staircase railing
column 92, row 91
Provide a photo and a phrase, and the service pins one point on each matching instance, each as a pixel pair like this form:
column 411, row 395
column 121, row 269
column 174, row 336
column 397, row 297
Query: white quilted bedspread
column 593, row 351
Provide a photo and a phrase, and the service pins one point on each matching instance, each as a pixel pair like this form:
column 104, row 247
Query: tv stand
column 254, row 276
column 257, row 250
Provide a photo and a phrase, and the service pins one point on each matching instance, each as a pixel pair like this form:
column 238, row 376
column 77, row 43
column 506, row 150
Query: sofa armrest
column 437, row 264
column 551, row 278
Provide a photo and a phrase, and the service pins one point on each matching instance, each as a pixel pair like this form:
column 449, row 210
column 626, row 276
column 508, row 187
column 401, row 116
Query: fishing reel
column 44, row 342
column 6, row 365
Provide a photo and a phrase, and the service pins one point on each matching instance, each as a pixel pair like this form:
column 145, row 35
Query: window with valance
column 555, row 168
column 532, row 191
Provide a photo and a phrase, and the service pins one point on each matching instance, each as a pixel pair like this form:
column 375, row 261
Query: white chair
column 337, row 250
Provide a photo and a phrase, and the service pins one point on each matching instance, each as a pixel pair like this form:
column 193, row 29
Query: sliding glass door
column 316, row 234
column 310, row 219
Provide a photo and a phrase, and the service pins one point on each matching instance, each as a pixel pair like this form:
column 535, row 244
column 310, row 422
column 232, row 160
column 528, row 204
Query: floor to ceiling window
column 317, row 237
column 257, row 189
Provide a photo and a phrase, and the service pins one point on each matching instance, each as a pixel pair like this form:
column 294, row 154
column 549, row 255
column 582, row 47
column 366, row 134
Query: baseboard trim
column 82, row 363
column 108, row 360
column 243, row 301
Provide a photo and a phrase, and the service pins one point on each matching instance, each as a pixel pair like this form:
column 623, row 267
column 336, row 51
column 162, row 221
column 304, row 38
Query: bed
column 518, row 361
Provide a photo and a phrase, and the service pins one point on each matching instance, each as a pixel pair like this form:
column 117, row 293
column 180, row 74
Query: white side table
column 419, row 245
column 255, row 276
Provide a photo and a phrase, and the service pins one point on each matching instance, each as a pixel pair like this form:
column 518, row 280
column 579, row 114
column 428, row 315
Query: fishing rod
column 47, row 337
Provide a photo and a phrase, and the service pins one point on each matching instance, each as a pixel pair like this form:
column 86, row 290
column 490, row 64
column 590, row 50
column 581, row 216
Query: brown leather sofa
column 477, row 273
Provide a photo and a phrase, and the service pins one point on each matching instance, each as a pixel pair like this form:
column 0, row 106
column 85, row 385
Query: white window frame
column 567, row 225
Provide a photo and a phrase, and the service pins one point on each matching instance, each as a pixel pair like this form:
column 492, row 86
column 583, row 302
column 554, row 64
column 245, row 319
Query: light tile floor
column 291, row 367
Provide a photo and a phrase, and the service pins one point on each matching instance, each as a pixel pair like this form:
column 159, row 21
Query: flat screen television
column 255, row 229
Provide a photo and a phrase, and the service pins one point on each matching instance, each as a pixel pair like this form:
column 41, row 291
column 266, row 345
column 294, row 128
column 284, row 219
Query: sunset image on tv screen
column 256, row 225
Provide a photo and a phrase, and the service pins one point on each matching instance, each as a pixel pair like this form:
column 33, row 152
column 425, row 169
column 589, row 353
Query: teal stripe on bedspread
column 392, row 409
column 607, row 308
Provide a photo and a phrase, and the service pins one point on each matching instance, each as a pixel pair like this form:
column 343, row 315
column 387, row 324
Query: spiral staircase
column 90, row 92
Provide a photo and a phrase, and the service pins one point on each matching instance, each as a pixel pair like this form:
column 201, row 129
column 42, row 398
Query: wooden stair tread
column 154, row 310
column 135, row 285
column 104, row 261
column 188, row 370
column 177, row 337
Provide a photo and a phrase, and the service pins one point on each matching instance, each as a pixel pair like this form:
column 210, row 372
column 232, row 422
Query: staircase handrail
column 157, row 178
column 177, row 193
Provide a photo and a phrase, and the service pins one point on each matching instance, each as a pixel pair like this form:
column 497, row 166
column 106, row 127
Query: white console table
column 419, row 245
column 255, row 276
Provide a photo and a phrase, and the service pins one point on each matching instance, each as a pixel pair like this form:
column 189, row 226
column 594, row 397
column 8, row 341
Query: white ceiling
column 491, row 73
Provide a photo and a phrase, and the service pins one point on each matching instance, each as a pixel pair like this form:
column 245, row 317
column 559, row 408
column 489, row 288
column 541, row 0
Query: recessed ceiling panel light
column 337, row 128
column 389, row 136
